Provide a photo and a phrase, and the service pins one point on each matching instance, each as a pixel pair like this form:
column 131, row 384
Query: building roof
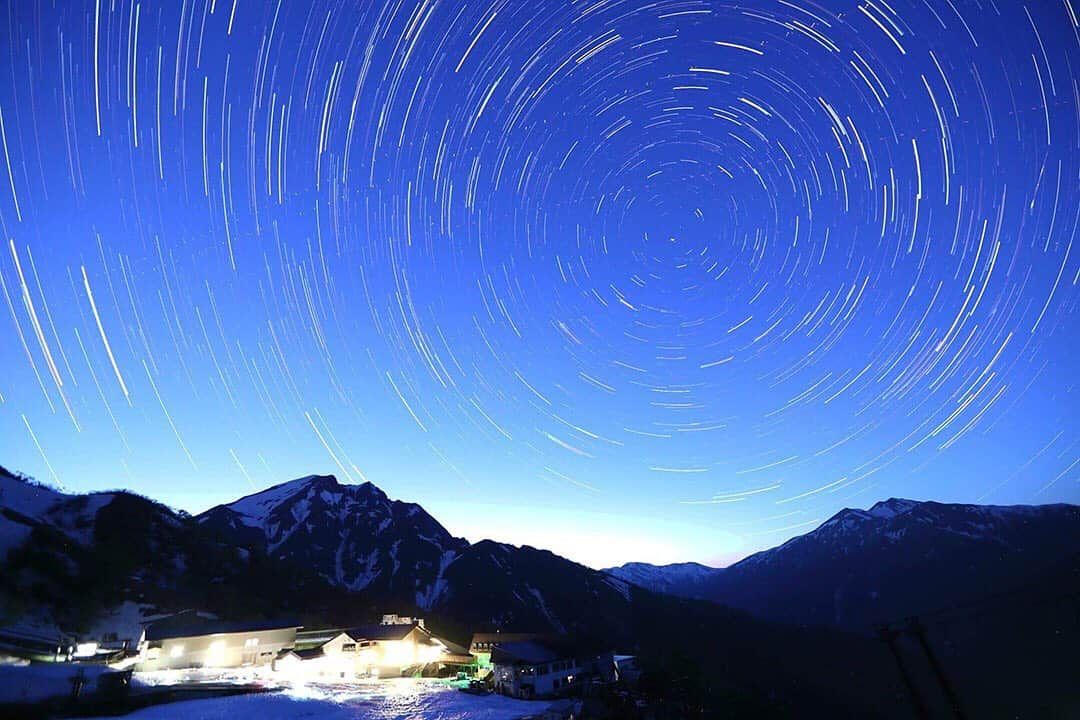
column 308, row 653
column 167, row 631
column 501, row 637
column 529, row 652
column 318, row 635
column 457, row 659
column 378, row 631
column 542, row 650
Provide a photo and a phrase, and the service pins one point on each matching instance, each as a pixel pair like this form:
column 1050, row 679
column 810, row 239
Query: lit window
column 176, row 651
column 215, row 655
column 251, row 642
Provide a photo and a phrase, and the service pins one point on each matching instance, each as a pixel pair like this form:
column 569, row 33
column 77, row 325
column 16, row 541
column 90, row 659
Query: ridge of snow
column 427, row 600
column 649, row 575
column 551, row 618
column 892, row 507
column 618, row 585
column 258, row 504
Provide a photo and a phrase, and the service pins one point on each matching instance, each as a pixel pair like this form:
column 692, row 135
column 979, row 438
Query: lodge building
column 541, row 666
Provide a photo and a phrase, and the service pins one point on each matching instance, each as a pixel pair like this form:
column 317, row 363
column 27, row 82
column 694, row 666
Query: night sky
column 628, row 280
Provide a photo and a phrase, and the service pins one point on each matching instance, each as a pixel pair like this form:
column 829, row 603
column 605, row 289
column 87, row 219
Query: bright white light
column 86, row 649
column 215, row 656
column 176, row 651
column 429, row 653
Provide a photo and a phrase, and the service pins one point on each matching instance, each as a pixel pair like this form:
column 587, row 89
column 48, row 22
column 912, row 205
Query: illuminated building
column 173, row 644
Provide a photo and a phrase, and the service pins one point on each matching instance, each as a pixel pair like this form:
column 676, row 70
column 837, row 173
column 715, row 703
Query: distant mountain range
column 332, row 553
column 899, row 558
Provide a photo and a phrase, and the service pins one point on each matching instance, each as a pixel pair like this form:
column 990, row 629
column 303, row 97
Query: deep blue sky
column 657, row 281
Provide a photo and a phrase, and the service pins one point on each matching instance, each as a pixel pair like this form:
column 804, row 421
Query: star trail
column 668, row 280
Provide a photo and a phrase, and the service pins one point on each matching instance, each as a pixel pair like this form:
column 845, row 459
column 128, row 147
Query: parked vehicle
column 477, row 687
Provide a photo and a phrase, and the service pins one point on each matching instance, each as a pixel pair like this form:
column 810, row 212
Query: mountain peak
column 892, row 507
column 364, row 536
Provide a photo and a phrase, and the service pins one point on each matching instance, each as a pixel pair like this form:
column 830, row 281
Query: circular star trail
column 731, row 263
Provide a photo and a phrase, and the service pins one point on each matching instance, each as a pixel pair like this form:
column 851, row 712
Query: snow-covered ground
column 390, row 699
column 399, row 699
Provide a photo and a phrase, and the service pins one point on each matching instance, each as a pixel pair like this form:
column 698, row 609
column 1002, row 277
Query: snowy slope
column 24, row 505
column 21, row 506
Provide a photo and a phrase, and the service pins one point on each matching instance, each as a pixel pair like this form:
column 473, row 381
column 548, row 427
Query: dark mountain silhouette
column 899, row 558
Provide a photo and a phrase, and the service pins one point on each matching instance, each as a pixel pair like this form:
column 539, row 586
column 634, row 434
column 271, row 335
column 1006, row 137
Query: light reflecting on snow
column 397, row 699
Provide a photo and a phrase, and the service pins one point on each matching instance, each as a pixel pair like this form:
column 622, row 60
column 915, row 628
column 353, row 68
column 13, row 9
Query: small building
column 483, row 643
column 169, row 644
column 307, row 664
column 548, row 666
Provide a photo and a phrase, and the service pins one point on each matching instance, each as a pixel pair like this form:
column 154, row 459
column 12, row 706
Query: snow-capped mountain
column 897, row 558
column 352, row 536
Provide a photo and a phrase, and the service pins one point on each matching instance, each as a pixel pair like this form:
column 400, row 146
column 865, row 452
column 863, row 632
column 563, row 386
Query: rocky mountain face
column 899, row 558
column 351, row 536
